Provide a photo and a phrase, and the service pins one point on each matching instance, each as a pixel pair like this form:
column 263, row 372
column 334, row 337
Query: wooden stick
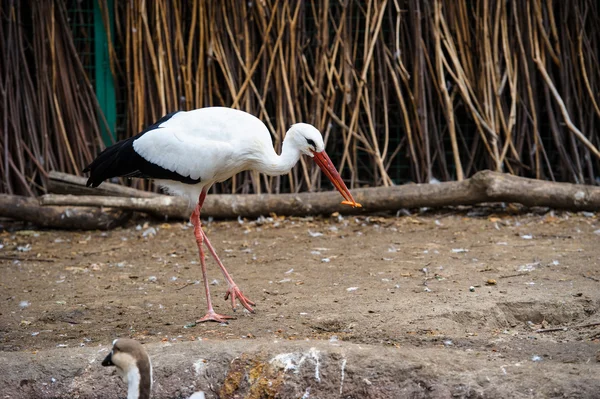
column 563, row 109
column 26, row 259
column 64, row 183
column 545, row 330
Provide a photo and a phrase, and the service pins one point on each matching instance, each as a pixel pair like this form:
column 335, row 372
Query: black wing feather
column 121, row 160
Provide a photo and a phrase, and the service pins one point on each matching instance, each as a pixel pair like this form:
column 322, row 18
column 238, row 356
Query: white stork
column 187, row 152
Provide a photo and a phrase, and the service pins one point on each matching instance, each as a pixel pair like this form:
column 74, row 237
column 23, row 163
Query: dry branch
column 64, row 183
column 546, row 330
column 58, row 217
column 483, row 187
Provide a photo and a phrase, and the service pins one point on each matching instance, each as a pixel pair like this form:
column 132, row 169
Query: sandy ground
column 478, row 285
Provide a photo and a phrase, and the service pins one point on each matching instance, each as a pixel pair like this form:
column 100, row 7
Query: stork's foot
column 212, row 316
column 234, row 292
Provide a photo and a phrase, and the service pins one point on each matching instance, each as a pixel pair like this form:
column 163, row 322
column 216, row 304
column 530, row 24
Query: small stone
column 149, row 232
column 472, row 289
column 491, row 281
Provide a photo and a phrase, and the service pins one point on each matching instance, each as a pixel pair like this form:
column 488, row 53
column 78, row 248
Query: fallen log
column 484, row 186
column 162, row 205
column 64, row 183
column 61, row 217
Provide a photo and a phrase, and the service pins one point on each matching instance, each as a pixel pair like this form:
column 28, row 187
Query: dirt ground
column 485, row 281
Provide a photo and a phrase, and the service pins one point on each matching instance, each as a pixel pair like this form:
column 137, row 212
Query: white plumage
column 187, row 152
column 205, row 143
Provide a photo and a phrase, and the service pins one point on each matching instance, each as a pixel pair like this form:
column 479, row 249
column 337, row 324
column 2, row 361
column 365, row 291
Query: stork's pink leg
column 211, row 315
column 233, row 291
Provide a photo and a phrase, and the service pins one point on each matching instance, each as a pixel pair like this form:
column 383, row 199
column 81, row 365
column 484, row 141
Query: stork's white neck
column 277, row 165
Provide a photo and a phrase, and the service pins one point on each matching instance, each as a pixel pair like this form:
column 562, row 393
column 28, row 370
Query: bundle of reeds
column 401, row 89
column 48, row 117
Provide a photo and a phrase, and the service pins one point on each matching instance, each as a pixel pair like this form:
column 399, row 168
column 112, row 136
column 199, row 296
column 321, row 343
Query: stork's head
column 133, row 365
column 307, row 138
column 310, row 142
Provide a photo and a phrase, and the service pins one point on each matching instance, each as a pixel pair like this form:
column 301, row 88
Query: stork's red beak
column 322, row 159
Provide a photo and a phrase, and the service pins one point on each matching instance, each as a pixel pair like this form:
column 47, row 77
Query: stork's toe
column 234, row 292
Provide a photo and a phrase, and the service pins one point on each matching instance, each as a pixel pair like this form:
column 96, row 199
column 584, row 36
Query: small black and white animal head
column 133, row 365
column 306, row 138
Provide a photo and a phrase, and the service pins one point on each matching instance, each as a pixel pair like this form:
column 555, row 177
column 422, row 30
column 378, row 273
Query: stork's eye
column 311, row 143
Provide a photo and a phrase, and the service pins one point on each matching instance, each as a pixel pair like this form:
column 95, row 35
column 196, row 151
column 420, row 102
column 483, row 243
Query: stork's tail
column 112, row 162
